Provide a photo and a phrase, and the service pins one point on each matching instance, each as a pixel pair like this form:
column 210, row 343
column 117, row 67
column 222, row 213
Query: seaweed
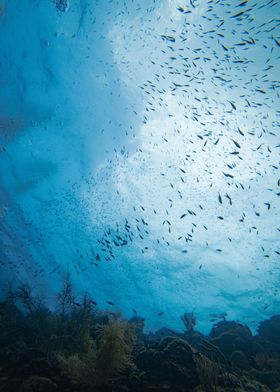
column 115, row 343
column 103, row 359
column 66, row 297
column 189, row 321
column 25, row 296
column 208, row 372
column 80, row 367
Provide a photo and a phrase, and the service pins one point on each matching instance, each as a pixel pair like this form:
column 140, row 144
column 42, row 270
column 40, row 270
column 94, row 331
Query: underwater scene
column 139, row 195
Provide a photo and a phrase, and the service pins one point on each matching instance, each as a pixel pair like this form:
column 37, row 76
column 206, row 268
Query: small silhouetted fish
column 110, row 303
column 224, row 47
column 232, row 105
column 227, row 175
column 168, row 37
column 237, row 145
column 276, row 41
column 239, row 14
column 181, row 9
column 218, row 315
column 242, row 4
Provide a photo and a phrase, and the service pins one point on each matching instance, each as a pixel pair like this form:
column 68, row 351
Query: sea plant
column 30, row 302
column 80, row 367
column 208, row 372
column 101, row 360
column 66, row 297
column 189, row 321
column 115, row 344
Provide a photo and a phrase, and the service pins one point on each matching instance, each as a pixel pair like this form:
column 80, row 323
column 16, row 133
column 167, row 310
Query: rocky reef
column 79, row 347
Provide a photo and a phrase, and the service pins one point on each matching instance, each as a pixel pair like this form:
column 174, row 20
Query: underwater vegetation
column 78, row 347
column 139, row 195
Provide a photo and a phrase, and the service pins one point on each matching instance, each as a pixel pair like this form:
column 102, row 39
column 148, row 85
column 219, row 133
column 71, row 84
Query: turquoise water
column 140, row 152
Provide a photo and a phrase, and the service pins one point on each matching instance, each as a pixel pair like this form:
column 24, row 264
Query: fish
column 236, row 144
column 228, row 175
column 181, row 9
column 216, row 316
column 168, row 38
column 232, row 105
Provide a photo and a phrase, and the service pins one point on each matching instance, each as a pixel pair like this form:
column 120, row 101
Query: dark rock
column 270, row 331
column 229, row 381
column 270, row 378
column 38, row 384
column 146, row 359
column 203, row 345
column 193, row 336
column 40, row 367
column 230, row 327
column 170, row 364
column 10, row 385
column 10, row 314
column 239, row 359
column 163, row 333
column 249, row 384
column 176, row 349
column 230, row 336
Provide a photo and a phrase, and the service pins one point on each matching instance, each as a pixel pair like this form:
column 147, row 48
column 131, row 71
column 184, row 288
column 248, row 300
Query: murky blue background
column 140, row 152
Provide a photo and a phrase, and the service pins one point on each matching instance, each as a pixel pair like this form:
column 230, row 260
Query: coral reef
column 81, row 348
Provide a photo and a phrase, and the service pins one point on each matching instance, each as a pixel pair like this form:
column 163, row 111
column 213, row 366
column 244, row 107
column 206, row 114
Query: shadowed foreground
column 81, row 348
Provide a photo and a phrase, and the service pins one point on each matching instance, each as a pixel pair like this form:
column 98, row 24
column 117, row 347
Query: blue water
column 140, row 152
